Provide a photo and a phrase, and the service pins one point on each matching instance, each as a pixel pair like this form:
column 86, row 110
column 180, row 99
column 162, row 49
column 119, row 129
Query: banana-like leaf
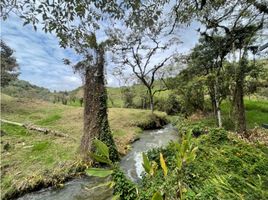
column 153, row 168
column 146, row 163
column 116, row 197
column 98, row 172
column 102, row 148
column 100, row 159
column 195, row 149
column 105, row 184
column 157, row 196
column 179, row 161
column 189, row 158
column 189, row 135
column 163, row 164
column 183, row 147
column 191, row 155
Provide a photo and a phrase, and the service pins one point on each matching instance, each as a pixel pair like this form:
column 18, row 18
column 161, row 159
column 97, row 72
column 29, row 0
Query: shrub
column 228, row 123
column 128, row 97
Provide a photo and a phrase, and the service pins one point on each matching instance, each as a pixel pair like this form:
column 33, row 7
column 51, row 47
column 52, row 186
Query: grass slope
column 22, row 89
column 29, row 157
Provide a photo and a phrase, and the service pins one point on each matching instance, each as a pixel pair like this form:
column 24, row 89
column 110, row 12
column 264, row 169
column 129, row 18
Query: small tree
column 139, row 49
column 128, row 96
column 9, row 65
column 207, row 59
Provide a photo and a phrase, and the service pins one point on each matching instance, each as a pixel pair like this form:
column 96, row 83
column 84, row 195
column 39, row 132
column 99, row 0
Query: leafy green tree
column 128, row 95
column 238, row 22
column 9, row 65
column 208, row 57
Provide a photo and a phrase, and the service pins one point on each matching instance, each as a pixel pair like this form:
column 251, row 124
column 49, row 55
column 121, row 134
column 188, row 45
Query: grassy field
column 256, row 114
column 29, row 157
column 115, row 96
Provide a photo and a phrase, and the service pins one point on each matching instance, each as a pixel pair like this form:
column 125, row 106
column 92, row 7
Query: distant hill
column 24, row 89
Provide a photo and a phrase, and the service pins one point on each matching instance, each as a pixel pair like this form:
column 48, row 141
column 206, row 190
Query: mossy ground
column 30, row 157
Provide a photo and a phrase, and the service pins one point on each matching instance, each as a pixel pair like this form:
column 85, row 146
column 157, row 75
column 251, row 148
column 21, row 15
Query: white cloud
column 40, row 57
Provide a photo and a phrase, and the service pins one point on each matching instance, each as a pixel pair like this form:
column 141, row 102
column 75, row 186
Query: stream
column 85, row 188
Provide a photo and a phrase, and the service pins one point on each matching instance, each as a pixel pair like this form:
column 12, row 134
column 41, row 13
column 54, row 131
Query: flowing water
column 86, row 188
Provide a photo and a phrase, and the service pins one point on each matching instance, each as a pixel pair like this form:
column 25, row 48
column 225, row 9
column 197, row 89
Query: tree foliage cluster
column 9, row 65
column 23, row 89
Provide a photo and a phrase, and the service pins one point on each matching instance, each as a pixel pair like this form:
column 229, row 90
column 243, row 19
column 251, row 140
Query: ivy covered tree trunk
column 238, row 100
column 96, row 123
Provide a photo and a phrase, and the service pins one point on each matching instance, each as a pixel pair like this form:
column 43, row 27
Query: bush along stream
column 114, row 179
column 215, row 164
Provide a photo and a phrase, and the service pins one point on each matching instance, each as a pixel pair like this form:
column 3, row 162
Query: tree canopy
column 9, row 65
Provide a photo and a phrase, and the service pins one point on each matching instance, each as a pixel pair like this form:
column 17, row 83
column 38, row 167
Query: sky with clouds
column 40, row 57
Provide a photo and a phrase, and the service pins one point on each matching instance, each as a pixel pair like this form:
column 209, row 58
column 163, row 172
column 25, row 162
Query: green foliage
column 171, row 104
column 146, row 163
column 51, row 119
column 228, row 123
column 190, row 90
column 157, row 196
column 128, row 96
column 182, row 154
column 101, row 148
column 9, row 65
column 256, row 115
column 217, row 136
column 150, row 167
column 41, row 146
column 235, row 161
column 198, row 129
column 123, row 187
column 101, row 153
column 98, row 172
column 105, row 134
column 155, row 120
column 23, row 89
column 185, row 153
column 194, row 96
column 223, row 167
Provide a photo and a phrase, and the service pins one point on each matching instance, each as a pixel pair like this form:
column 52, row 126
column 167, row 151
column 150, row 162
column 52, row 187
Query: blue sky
column 40, row 57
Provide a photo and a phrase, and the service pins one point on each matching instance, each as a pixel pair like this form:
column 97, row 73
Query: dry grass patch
column 31, row 158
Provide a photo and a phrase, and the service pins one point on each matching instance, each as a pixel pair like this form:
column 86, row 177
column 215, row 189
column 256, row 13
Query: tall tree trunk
column 217, row 104
column 151, row 97
column 213, row 101
column 239, row 108
column 95, row 110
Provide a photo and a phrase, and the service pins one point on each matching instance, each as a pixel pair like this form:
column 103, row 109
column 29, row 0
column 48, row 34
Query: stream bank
column 85, row 188
column 69, row 170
